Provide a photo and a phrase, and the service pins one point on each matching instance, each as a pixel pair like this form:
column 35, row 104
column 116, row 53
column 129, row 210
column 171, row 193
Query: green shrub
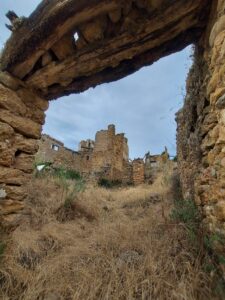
column 186, row 211
column 103, row 182
column 213, row 240
column 66, row 173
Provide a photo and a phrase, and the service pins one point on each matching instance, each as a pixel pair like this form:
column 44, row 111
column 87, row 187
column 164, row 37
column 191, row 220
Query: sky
column 142, row 105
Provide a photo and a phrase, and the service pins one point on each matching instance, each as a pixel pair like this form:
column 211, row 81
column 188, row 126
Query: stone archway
column 67, row 47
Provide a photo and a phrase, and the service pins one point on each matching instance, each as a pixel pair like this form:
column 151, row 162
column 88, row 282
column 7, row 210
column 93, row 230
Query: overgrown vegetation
column 67, row 174
column 205, row 245
column 95, row 243
column 186, row 211
column 103, row 182
column 2, row 249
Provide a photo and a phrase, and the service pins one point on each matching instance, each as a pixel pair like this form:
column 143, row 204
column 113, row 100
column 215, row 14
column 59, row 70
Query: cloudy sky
column 142, row 105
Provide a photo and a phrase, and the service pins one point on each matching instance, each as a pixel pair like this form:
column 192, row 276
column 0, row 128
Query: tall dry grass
column 102, row 244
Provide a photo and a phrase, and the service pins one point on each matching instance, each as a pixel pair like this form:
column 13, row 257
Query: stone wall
column 21, row 119
column 138, row 171
column 54, row 151
column 106, row 157
column 110, row 154
column 201, row 125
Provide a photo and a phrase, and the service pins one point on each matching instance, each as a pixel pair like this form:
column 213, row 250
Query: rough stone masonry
column 106, row 157
column 67, row 48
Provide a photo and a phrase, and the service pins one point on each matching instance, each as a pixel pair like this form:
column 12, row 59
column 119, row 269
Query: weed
column 212, row 240
column 186, row 212
column 2, row 249
column 66, row 173
column 103, row 182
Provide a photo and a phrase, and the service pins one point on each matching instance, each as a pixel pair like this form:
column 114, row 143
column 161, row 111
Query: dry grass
column 102, row 244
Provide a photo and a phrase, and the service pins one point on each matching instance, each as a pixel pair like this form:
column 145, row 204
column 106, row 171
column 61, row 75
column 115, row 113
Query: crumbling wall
column 21, row 119
column 54, row 151
column 110, row 154
column 138, row 171
column 201, row 125
column 106, row 157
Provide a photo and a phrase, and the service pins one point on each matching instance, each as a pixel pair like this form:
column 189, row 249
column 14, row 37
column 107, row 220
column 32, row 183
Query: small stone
column 93, row 31
column 213, row 83
column 220, row 104
column 46, row 59
column 213, row 172
column 217, row 29
column 3, row 194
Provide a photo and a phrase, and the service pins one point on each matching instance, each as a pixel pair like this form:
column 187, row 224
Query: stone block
column 221, row 138
column 218, row 93
column 24, row 162
column 13, row 176
column 32, row 100
column 213, row 83
column 7, row 80
column 3, row 193
column 22, row 125
column 7, row 150
column 217, row 29
column 26, row 145
column 36, row 115
column 210, row 140
column 220, row 103
column 10, row 206
column 10, row 101
column 93, row 31
column 6, row 132
column 7, row 154
column 15, row 192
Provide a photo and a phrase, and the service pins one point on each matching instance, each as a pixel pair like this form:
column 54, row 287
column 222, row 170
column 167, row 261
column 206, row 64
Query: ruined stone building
column 43, row 61
column 105, row 157
column 54, row 151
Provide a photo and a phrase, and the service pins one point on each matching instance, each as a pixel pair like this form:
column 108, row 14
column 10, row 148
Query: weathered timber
column 125, row 68
column 114, row 51
column 50, row 22
column 114, row 37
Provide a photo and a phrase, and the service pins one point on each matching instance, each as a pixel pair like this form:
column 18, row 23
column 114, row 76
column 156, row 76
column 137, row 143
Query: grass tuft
column 84, row 242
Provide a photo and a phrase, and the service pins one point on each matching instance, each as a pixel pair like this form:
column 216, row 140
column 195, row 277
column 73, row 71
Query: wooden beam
column 126, row 67
column 123, row 47
column 48, row 24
